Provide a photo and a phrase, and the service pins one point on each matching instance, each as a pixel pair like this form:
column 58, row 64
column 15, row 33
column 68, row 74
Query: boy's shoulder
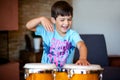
column 72, row 32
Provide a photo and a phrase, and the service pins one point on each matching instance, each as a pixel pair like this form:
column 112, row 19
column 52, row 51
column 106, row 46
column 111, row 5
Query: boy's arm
column 83, row 54
column 31, row 25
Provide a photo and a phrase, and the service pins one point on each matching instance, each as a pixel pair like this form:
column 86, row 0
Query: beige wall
column 99, row 17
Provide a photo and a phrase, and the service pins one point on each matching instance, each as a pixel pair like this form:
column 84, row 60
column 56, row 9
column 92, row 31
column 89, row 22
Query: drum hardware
column 101, row 76
column 38, row 71
column 61, row 74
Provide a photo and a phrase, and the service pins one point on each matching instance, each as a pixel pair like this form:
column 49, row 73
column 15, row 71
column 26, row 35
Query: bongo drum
column 39, row 71
column 90, row 72
column 61, row 74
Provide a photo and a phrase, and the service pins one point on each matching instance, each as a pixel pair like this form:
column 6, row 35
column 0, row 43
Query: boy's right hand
column 48, row 25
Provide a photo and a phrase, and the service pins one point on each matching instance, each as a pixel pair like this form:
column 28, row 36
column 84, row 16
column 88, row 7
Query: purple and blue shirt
column 57, row 49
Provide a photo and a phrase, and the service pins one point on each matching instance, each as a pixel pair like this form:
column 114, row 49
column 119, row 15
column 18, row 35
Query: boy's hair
column 61, row 8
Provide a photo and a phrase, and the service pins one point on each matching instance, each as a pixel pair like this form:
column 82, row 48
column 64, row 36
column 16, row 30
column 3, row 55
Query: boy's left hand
column 83, row 62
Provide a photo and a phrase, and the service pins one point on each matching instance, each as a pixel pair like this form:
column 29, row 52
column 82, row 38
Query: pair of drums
column 38, row 71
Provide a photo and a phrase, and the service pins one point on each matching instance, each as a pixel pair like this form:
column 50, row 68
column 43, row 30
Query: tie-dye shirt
column 57, row 49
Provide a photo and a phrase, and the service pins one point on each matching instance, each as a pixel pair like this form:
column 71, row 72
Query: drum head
column 89, row 67
column 39, row 66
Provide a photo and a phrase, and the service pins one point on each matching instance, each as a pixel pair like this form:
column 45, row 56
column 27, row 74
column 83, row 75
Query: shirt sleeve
column 77, row 37
column 39, row 30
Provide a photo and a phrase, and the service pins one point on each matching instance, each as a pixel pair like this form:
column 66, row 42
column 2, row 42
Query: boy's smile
column 63, row 24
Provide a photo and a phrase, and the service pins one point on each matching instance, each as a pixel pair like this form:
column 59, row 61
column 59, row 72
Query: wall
column 8, row 15
column 15, row 42
column 99, row 17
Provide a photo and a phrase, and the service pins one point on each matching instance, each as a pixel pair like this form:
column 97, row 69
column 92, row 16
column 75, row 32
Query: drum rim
column 85, row 71
column 38, row 71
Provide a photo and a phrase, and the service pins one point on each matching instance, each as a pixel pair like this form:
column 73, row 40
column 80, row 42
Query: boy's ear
column 53, row 20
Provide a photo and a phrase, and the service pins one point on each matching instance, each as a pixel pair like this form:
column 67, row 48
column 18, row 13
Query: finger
column 78, row 63
column 49, row 27
column 86, row 64
column 46, row 27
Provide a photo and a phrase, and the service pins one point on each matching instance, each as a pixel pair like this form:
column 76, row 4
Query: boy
column 59, row 40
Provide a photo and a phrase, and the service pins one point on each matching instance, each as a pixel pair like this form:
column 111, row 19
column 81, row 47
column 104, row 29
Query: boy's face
column 63, row 24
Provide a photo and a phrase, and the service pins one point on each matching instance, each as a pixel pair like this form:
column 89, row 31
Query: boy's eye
column 62, row 20
column 69, row 19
